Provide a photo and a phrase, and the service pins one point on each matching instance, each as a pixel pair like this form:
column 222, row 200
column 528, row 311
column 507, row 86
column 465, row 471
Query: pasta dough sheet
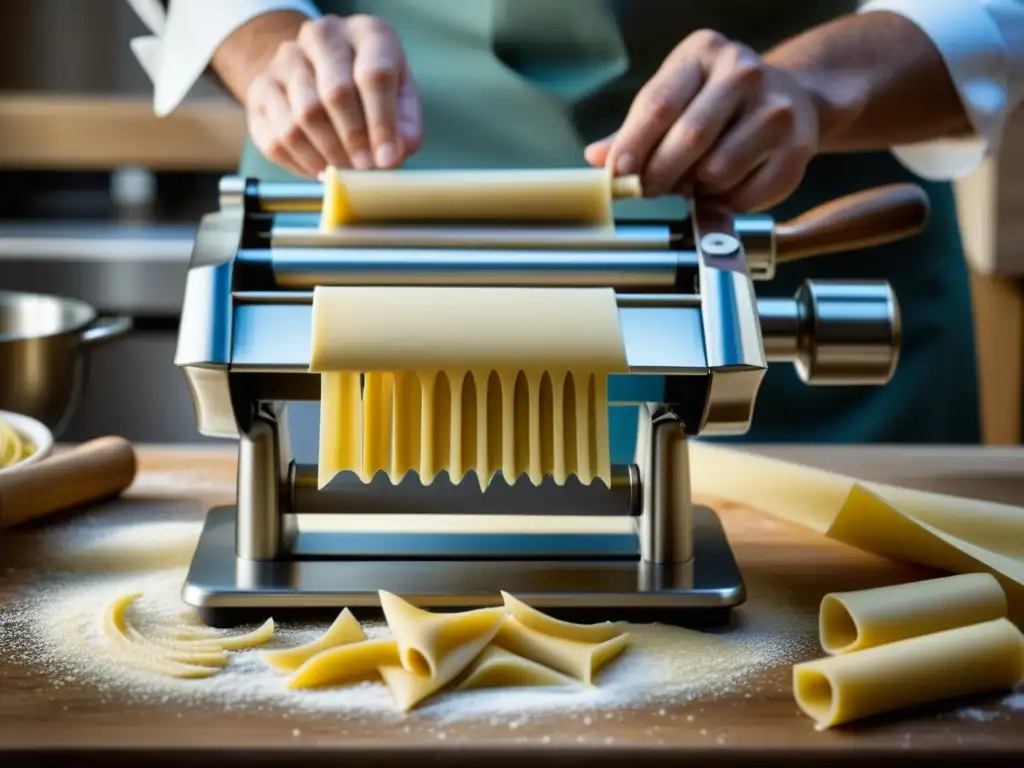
column 344, row 631
column 579, row 195
column 853, row 621
column 920, row 670
column 465, row 379
column 945, row 532
column 572, row 657
column 498, row 668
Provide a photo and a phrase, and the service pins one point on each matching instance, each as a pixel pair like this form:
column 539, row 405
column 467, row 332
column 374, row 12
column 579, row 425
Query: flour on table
column 55, row 630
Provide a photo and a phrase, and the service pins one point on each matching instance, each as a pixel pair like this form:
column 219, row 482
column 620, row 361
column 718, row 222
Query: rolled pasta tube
column 425, row 639
column 577, row 195
column 853, row 621
column 919, row 670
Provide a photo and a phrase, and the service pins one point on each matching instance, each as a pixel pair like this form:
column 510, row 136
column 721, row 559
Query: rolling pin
column 94, row 470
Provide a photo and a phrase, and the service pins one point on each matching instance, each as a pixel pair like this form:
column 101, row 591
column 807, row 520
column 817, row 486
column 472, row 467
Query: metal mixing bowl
column 43, row 345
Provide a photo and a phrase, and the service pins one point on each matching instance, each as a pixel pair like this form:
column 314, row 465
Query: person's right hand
column 340, row 94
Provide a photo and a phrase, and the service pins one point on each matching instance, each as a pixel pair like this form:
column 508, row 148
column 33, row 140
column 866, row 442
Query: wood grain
column 861, row 220
column 783, row 566
column 54, row 132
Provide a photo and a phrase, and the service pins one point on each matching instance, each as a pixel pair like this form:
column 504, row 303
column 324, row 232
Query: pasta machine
column 696, row 337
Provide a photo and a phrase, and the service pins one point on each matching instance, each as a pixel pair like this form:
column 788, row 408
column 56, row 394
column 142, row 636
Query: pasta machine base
column 556, row 572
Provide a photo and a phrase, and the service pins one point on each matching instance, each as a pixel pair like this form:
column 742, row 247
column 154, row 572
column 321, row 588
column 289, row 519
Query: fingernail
column 625, row 164
column 386, row 154
column 362, row 160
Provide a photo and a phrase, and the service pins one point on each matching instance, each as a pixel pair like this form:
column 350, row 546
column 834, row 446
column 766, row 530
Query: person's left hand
column 718, row 121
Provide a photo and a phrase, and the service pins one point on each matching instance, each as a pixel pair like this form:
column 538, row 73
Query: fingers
column 331, row 55
column 307, row 110
column 271, row 126
column 655, row 109
column 770, row 184
column 597, row 153
column 410, row 117
column 735, row 75
column 745, row 148
column 377, row 71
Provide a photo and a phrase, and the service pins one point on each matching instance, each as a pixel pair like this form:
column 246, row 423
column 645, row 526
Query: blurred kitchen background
column 99, row 199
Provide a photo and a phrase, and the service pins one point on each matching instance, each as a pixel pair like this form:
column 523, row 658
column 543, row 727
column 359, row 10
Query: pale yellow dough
column 465, row 379
column 541, row 622
column 426, row 639
column 853, row 621
column 498, row 668
column 343, row 631
column 346, row 664
column 141, row 655
column 945, row 532
column 196, row 656
column 483, row 648
column 920, row 670
column 580, row 660
column 577, row 195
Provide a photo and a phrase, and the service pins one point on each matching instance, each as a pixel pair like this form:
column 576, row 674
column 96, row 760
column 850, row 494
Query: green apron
column 528, row 83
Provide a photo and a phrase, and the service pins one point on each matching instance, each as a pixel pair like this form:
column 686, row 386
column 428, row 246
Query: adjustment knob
column 835, row 333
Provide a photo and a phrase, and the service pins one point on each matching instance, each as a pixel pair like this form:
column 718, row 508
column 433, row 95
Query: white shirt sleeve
column 186, row 36
column 982, row 43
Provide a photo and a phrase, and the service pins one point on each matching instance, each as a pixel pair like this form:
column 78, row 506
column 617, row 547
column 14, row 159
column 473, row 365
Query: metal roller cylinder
column 835, row 333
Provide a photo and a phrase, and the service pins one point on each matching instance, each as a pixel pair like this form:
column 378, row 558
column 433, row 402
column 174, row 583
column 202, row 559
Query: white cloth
column 185, row 39
column 981, row 41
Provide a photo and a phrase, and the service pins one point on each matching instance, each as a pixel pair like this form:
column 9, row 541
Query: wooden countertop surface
column 779, row 562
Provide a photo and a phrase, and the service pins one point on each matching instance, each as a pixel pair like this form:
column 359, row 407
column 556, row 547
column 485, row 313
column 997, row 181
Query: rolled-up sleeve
column 982, row 44
column 185, row 36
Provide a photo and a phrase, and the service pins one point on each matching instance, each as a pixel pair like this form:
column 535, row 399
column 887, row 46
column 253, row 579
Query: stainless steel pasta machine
column 697, row 340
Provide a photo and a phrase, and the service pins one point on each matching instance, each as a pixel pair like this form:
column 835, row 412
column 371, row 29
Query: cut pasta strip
column 425, row 639
column 853, row 621
column 344, row 631
column 344, row 664
column 252, row 639
column 580, row 660
column 919, row 670
column 145, row 657
column 465, row 380
column 541, row 622
column 498, row 668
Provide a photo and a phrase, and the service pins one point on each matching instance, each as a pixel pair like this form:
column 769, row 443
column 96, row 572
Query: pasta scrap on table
column 483, row 648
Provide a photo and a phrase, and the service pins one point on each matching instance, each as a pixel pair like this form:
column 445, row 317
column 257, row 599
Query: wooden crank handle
column 861, row 220
column 93, row 470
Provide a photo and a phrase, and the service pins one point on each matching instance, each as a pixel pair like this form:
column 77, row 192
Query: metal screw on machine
column 719, row 244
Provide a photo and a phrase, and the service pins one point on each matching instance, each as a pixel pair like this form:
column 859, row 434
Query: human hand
column 340, row 94
column 718, row 121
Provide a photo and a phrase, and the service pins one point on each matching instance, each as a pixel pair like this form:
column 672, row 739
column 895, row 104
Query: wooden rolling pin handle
column 861, row 220
column 93, row 470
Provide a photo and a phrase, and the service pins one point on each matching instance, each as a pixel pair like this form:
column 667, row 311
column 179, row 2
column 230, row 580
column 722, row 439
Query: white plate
column 41, row 437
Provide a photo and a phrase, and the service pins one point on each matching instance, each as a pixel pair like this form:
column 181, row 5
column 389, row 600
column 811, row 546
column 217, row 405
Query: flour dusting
column 54, row 629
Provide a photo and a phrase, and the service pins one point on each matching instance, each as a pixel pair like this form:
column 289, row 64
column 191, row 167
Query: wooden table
column 39, row 722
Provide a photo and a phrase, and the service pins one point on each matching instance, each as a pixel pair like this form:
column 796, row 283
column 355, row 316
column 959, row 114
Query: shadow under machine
column 697, row 341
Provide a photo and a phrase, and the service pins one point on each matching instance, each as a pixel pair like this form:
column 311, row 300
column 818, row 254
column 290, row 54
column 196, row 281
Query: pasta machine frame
column 697, row 342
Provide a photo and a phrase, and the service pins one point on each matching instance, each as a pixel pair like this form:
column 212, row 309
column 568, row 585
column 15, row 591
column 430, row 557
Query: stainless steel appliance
column 688, row 315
